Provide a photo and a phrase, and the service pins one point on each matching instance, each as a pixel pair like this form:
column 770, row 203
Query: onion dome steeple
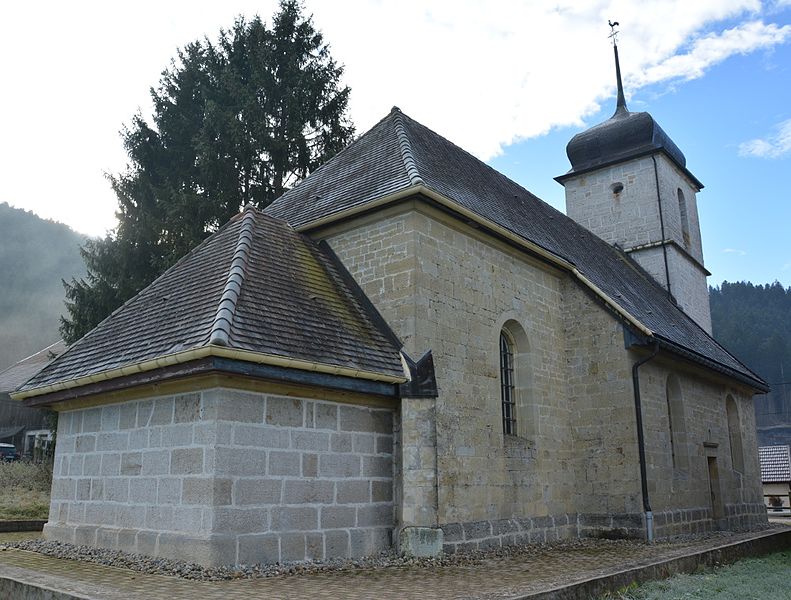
column 623, row 136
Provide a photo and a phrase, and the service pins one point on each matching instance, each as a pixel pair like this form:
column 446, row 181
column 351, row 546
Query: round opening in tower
column 616, row 187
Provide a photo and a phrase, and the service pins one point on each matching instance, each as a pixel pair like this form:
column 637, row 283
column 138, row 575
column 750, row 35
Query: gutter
column 204, row 352
column 638, row 409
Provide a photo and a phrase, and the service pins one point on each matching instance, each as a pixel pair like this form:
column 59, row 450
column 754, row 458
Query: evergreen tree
column 754, row 321
column 235, row 121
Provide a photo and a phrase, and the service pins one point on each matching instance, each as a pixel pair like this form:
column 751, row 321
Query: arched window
column 734, row 434
column 676, row 424
column 507, row 383
column 682, row 208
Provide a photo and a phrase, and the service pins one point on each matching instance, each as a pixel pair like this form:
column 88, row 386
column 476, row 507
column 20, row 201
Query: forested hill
column 754, row 322
column 35, row 254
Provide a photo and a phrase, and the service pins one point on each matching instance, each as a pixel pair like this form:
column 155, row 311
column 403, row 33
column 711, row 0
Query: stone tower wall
column 631, row 219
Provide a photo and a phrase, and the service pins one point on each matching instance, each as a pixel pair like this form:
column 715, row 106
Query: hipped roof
column 257, row 288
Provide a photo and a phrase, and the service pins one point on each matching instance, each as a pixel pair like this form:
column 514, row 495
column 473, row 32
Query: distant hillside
column 35, row 254
column 754, row 322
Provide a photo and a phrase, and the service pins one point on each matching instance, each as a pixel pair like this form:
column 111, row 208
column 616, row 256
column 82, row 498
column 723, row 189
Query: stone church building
column 409, row 349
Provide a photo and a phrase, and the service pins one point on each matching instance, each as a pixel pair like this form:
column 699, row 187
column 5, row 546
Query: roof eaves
column 406, row 147
column 754, row 381
column 223, row 320
column 203, row 352
column 647, row 151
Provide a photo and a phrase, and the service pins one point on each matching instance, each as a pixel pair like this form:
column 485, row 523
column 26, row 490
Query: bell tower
column 629, row 184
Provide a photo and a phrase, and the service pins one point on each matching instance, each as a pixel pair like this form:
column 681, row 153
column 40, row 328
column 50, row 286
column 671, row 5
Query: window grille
column 507, row 390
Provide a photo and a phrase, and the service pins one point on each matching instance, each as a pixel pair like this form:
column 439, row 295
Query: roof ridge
column 406, row 147
column 223, row 319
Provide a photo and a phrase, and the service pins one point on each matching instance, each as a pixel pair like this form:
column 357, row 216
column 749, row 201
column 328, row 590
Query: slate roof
column 399, row 153
column 18, row 373
column 255, row 285
column 775, row 463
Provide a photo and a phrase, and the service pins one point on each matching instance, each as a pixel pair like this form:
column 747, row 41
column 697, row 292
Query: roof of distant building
column 775, row 463
column 18, row 373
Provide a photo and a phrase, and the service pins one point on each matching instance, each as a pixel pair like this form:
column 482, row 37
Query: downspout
column 661, row 225
column 638, row 409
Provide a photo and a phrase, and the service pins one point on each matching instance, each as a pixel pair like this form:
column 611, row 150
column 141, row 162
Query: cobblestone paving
column 492, row 579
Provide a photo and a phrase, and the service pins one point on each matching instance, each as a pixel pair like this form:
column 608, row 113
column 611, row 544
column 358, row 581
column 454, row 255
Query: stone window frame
column 734, row 423
column 523, row 411
column 684, row 214
column 676, row 417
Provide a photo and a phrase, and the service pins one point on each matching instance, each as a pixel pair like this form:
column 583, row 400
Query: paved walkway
column 492, row 579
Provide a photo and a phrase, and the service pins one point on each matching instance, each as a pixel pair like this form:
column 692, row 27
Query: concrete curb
column 662, row 569
column 11, row 526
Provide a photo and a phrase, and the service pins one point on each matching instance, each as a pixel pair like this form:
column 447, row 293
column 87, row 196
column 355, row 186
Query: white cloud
column 484, row 75
column 774, row 146
column 734, row 251
column 713, row 48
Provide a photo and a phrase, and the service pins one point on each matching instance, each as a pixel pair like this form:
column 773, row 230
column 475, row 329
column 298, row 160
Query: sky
column 509, row 81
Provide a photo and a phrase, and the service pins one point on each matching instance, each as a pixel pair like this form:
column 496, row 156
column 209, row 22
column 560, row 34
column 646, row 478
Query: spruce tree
column 235, row 121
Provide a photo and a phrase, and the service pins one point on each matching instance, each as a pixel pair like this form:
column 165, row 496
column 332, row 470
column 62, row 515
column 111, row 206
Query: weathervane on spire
column 613, row 32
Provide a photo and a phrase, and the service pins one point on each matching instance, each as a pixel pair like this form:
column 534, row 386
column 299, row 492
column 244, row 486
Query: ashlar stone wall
column 573, row 468
column 224, row 476
column 678, row 461
column 454, row 297
column 631, row 219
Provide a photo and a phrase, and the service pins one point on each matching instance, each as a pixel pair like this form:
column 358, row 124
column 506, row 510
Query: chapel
column 409, row 350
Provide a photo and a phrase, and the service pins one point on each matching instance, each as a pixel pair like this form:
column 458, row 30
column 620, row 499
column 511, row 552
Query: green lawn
column 24, row 490
column 765, row 578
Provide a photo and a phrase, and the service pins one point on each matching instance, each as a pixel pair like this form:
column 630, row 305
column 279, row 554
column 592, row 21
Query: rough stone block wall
column 598, row 374
column 576, row 449
column 631, row 219
column 460, row 291
column 223, row 477
column 685, row 486
column 484, row 535
column 689, row 287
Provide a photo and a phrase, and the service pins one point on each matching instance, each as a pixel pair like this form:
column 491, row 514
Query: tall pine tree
column 235, row 121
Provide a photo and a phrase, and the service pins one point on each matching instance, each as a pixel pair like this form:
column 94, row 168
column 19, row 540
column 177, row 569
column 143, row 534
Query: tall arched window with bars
column 507, row 384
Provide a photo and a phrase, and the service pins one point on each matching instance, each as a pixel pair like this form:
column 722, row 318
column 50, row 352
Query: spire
column 620, row 106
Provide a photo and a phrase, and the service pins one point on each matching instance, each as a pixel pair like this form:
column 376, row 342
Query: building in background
column 26, row 428
column 776, row 478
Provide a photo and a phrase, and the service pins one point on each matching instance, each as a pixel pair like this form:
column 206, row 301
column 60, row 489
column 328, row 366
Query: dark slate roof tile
column 291, row 302
column 454, row 173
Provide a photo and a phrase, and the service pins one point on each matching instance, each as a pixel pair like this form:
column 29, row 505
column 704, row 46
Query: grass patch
column 765, row 578
column 24, row 490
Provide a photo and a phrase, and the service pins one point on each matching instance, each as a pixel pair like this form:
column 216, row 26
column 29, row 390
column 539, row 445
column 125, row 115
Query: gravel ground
column 164, row 566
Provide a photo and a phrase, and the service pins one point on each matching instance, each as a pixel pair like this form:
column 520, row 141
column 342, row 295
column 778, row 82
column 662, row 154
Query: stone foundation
column 483, row 535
